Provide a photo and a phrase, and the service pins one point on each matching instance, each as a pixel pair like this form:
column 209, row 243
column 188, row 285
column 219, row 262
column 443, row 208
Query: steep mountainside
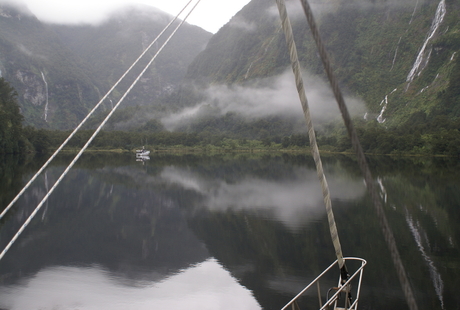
column 400, row 57
column 110, row 49
column 52, row 84
column 60, row 72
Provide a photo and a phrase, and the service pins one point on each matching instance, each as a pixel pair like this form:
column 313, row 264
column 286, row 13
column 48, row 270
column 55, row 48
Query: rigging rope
column 88, row 116
column 286, row 24
column 29, row 219
column 387, row 232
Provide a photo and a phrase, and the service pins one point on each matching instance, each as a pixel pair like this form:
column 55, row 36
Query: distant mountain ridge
column 60, row 72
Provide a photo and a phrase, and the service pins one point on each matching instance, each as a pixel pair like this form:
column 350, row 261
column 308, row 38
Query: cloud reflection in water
column 204, row 286
column 292, row 200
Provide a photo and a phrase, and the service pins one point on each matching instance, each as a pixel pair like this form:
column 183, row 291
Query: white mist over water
column 439, row 17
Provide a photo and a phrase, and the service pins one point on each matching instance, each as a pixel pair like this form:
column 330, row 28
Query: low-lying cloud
column 72, row 12
column 270, row 97
column 240, row 23
column 322, row 7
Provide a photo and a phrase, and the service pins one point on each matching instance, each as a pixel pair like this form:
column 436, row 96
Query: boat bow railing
column 335, row 301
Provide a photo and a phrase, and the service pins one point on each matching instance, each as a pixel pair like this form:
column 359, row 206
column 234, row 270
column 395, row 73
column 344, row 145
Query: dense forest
column 11, row 131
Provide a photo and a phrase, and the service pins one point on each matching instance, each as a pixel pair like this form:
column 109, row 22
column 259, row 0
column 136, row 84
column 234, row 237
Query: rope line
column 29, row 219
column 88, row 116
column 362, row 162
column 286, row 24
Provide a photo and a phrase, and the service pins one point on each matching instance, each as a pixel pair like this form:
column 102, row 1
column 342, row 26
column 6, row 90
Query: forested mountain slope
column 110, row 48
column 60, row 72
column 397, row 62
column 400, row 57
column 52, row 84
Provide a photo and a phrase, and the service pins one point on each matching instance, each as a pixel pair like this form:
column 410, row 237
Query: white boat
column 142, row 152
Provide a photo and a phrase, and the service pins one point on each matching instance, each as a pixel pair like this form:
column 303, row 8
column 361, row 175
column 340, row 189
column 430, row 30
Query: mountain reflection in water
column 223, row 232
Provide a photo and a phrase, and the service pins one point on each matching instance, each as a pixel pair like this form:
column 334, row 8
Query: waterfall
column 380, row 118
column 384, row 102
column 413, row 13
column 424, row 63
column 396, row 53
column 259, row 58
column 46, row 104
column 247, row 72
column 426, row 87
column 439, row 17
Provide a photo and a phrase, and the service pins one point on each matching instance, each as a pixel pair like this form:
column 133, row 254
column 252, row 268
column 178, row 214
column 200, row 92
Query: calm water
column 223, row 232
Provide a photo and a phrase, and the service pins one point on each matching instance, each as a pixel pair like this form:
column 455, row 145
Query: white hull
column 142, row 153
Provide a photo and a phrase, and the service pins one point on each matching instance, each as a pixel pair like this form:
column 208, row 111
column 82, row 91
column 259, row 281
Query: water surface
column 223, row 232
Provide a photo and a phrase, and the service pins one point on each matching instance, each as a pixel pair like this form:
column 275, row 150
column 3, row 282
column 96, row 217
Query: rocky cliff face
column 43, row 71
column 35, row 88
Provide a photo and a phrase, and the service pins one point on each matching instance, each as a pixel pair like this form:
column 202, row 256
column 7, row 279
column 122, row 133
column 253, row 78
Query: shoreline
column 218, row 150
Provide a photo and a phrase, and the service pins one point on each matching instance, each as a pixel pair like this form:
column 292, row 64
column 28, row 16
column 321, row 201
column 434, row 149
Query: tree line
column 420, row 134
column 438, row 137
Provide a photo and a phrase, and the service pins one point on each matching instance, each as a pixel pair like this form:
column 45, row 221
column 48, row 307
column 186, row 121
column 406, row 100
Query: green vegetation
column 372, row 45
column 419, row 135
column 30, row 54
column 11, row 134
column 69, row 68
column 439, row 137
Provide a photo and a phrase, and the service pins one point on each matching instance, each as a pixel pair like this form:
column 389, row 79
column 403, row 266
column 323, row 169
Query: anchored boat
column 142, row 153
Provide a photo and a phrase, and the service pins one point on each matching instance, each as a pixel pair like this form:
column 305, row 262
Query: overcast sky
column 209, row 15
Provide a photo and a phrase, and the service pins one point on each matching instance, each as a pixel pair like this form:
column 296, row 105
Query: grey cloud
column 239, row 22
column 272, row 96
